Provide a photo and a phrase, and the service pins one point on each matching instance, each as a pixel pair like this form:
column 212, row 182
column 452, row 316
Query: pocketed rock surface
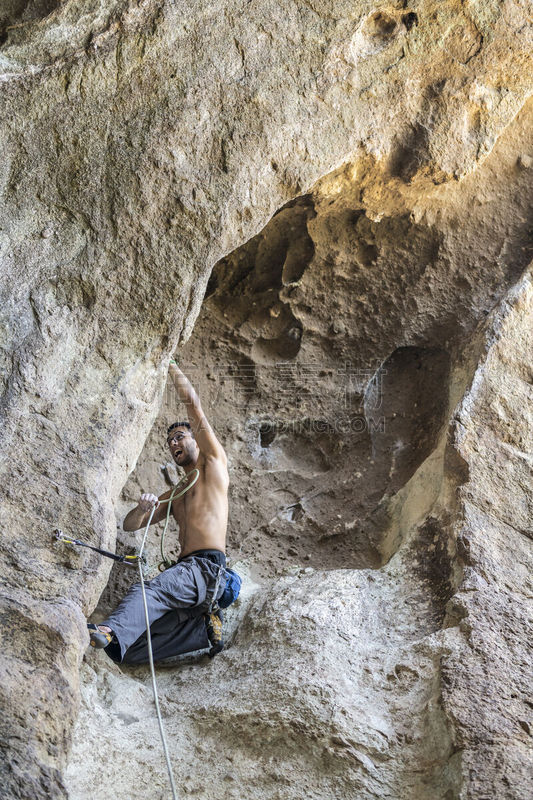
column 361, row 173
column 410, row 680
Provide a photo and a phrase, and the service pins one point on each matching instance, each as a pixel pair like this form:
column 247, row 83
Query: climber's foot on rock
column 100, row 635
column 213, row 623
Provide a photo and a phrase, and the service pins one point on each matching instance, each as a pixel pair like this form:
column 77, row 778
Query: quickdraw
column 137, row 558
column 131, row 560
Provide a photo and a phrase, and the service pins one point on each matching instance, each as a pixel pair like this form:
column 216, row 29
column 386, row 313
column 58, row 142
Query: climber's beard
column 186, row 458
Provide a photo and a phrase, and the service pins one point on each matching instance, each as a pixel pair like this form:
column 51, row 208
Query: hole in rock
column 323, row 441
column 410, row 19
column 15, row 12
column 301, row 446
column 285, row 346
column 299, row 254
column 280, row 256
column 267, row 433
column 407, row 401
column 367, row 253
column 411, row 153
column 380, row 25
column 212, row 285
column 365, row 291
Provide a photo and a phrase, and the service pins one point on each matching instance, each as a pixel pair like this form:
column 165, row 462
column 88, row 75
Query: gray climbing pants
column 177, row 601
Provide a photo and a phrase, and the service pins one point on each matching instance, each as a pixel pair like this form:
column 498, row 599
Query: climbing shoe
column 99, row 638
column 213, row 622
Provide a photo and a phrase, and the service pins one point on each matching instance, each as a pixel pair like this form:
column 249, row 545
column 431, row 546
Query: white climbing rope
column 152, row 668
column 173, row 496
column 165, row 563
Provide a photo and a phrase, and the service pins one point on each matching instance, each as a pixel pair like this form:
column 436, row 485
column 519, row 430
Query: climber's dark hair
column 180, row 425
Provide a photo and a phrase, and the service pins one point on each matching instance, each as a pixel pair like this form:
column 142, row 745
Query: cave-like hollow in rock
column 330, row 354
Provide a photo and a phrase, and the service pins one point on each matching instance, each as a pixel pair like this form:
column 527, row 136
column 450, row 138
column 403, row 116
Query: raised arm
column 202, row 430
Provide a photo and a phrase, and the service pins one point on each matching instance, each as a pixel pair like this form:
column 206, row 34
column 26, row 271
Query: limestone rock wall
column 487, row 677
column 359, row 668
column 410, row 680
column 142, row 142
column 331, row 350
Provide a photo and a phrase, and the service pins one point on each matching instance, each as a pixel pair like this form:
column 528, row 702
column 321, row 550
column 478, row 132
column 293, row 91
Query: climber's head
column 182, row 444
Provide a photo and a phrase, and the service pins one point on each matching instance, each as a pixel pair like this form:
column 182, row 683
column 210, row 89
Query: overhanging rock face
column 406, row 681
column 141, row 143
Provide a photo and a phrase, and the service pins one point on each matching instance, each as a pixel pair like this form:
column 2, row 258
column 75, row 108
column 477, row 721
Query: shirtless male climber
column 179, row 600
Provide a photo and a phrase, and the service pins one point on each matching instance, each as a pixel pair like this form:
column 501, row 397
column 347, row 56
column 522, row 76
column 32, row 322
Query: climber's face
column 183, row 446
